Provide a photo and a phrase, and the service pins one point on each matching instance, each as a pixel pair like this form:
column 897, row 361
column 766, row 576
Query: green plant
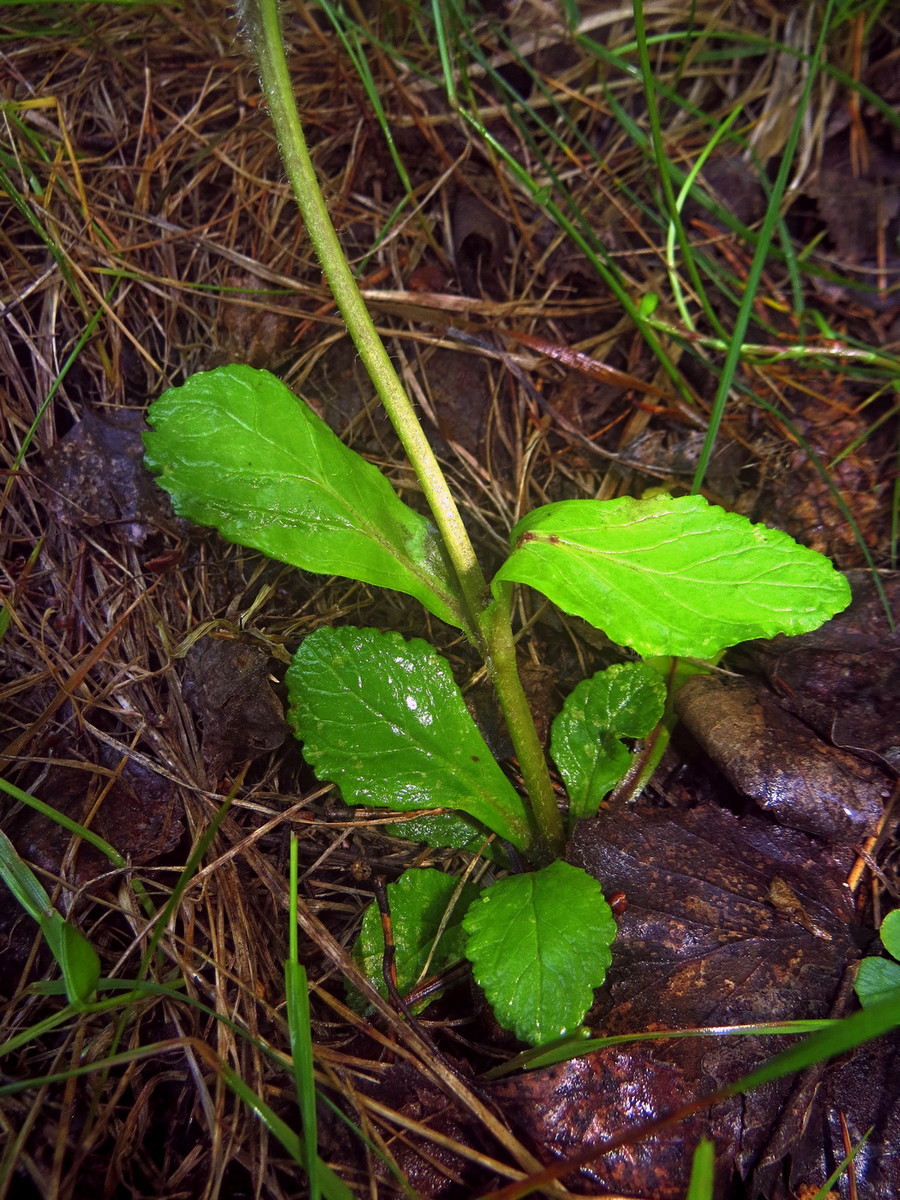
column 382, row 717
column 75, row 955
column 877, row 978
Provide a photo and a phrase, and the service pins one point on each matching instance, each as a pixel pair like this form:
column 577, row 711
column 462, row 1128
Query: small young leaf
column 540, row 943
column 625, row 700
column 876, row 977
column 237, row 450
column 672, row 576
column 75, row 955
column 383, row 719
column 418, row 903
column 79, row 962
column 890, row 933
column 703, row 1171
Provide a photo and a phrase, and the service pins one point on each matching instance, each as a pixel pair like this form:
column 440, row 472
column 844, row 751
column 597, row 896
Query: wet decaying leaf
column 568, row 1107
column 227, row 685
column 96, row 476
column 843, row 680
column 864, row 1090
column 728, row 921
column 770, row 756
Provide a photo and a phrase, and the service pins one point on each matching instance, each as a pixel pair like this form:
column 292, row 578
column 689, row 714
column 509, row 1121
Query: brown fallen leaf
column 843, row 680
column 772, row 757
column 700, row 944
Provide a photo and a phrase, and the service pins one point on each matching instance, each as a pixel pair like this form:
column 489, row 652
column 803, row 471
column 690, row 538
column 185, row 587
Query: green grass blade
column 297, row 994
column 760, row 256
column 703, row 1170
column 75, row 955
column 825, row 1192
column 674, row 205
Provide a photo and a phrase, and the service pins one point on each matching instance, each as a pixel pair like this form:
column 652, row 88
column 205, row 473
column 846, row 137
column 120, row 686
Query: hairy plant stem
column 487, row 625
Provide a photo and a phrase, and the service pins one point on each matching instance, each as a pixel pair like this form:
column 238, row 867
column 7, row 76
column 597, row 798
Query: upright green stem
column 276, row 80
column 488, row 626
column 497, row 625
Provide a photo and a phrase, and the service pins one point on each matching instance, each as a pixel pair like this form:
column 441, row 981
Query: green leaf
column 890, row 933
column 418, row 904
column 78, row 960
column 450, row 830
column 237, row 450
column 540, row 943
column 703, row 1171
column 75, row 955
column 625, row 700
column 672, row 576
column 876, row 979
column 383, row 719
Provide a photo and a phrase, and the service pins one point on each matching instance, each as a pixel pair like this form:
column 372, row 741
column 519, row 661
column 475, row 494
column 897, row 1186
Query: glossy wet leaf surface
column 877, row 977
column 672, row 576
column 540, row 943
column 426, row 923
column 383, row 718
column 728, row 921
column 237, row 450
column 771, row 756
column 625, row 700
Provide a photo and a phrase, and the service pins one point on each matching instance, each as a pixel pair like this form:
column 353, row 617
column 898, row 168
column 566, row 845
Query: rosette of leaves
column 383, row 718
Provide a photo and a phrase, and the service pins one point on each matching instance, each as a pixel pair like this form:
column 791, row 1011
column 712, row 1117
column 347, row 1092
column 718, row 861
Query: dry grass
column 148, row 232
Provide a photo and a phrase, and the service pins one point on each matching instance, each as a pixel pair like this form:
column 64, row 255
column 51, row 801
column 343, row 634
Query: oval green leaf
column 237, row 450
column 672, row 576
column 383, row 719
column 625, row 700
column 540, row 944
column 876, row 980
column 428, row 933
column 890, row 933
